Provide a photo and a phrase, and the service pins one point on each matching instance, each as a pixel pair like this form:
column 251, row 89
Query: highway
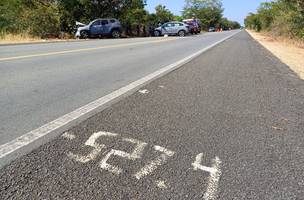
column 207, row 117
column 42, row 82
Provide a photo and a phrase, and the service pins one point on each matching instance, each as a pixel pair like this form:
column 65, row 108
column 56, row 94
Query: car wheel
column 115, row 34
column 84, row 34
column 181, row 33
column 156, row 33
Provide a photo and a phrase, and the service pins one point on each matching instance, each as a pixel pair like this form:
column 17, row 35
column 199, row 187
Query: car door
column 167, row 28
column 106, row 27
column 175, row 28
column 95, row 28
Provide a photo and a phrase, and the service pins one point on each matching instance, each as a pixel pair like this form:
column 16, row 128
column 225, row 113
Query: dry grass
column 286, row 40
column 25, row 38
column 290, row 52
column 18, row 38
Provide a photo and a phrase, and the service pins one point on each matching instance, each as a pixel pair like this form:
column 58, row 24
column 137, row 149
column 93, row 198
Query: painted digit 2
column 136, row 154
column 97, row 148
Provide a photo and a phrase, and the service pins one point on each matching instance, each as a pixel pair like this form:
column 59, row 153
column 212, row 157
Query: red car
column 194, row 25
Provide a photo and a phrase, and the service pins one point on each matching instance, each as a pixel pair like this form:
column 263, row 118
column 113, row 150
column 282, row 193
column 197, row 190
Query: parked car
column 100, row 27
column 172, row 28
column 194, row 25
column 211, row 29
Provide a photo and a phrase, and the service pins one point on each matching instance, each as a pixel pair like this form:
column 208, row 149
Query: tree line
column 280, row 17
column 52, row 18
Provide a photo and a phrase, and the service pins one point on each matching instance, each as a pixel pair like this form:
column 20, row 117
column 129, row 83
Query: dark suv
column 194, row 25
column 100, row 27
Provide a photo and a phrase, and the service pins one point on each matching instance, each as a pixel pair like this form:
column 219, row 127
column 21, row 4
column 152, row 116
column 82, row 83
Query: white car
column 172, row 28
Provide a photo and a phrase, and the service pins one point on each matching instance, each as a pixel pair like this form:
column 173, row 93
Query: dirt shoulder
column 289, row 53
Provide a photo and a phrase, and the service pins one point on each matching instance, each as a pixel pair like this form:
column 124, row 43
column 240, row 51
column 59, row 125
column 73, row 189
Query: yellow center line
column 83, row 50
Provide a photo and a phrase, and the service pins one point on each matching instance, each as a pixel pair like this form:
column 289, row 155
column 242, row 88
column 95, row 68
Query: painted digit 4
column 215, row 174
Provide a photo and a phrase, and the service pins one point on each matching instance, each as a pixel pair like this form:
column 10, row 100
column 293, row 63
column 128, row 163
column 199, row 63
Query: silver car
column 172, row 28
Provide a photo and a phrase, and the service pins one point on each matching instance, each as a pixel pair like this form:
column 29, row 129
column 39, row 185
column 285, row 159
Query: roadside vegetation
column 280, row 18
column 56, row 18
column 279, row 27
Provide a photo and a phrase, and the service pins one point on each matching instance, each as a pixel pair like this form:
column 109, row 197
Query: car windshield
column 95, row 22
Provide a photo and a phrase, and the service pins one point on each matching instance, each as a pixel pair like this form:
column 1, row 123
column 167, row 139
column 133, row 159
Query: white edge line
column 28, row 138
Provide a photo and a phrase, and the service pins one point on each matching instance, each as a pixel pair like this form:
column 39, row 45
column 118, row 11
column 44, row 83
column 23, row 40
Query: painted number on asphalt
column 150, row 167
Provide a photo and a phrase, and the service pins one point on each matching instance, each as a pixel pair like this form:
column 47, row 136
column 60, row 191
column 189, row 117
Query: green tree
column 252, row 21
column 228, row 24
column 225, row 23
column 291, row 14
column 209, row 12
column 163, row 14
column 178, row 18
column 41, row 18
column 9, row 13
column 281, row 17
column 266, row 15
column 235, row 25
column 36, row 17
column 129, row 12
column 70, row 12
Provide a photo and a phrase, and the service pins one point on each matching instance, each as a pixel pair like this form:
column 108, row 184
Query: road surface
column 42, row 82
column 227, row 125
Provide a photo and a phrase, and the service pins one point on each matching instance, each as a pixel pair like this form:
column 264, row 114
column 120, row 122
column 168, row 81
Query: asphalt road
column 41, row 82
column 227, row 125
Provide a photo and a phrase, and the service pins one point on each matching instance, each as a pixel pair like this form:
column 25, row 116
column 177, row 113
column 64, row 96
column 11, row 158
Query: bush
column 282, row 17
column 44, row 21
column 10, row 11
column 37, row 18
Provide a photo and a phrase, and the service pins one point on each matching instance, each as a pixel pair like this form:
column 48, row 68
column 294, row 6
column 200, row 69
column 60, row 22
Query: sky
column 235, row 10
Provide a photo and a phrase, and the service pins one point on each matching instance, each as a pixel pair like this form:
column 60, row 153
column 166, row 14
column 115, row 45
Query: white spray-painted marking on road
column 215, row 171
column 136, row 154
column 69, row 136
column 139, row 149
column 197, row 164
column 153, row 165
column 97, row 148
column 161, row 184
column 30, row 137
column 113, row 169
column 145, row 91
column 164, row 150
column 211, row 192
column 215, row 174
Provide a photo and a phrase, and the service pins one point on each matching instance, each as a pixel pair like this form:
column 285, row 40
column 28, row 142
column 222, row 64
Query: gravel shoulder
column 290, row 54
